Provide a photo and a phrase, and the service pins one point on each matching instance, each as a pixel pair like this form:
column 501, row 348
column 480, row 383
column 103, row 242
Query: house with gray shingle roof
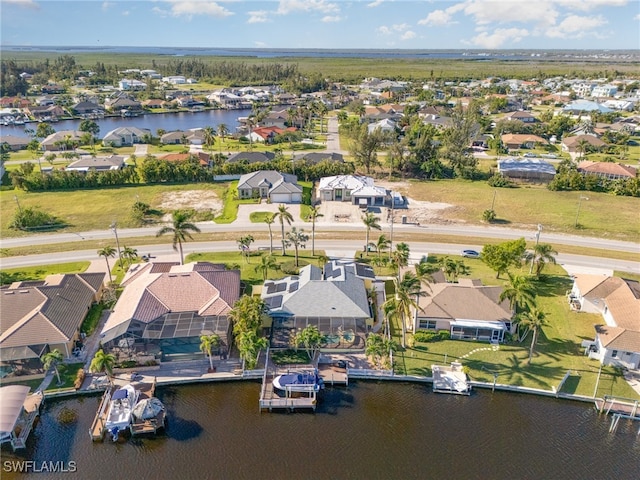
column 166, row 307
column 99, row 164
column 251, row 157
column 277, row 187
column 333, row 299
column 468, row 310
column 617, row 342
column 125, row 136
column 41, row 316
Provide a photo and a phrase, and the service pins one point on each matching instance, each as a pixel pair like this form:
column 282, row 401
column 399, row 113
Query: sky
column 373, row 24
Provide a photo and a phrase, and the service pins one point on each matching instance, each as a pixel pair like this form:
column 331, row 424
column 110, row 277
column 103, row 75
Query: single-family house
column 131, row 84
column 357, row 189
column 468, row 310
column 617, row 342
column 385, row 126
column 283, row 119
column 14, row 142
column 313, row 158
column 52, row 88
column 126, row 136
column 179, row 137
column 251, row 157
column 580, row 106
column 154, row 103
column 204, row 159
column 165, row 308
column 46, row 113
column 267, row 134
column 87, row 107
column 608, row 170
column 41, row 316
column 516, row 141
column 333, row 299
column 275, row 186
column 575, row 144
column 527, row 169
column 56, row 141
column 225, row 99
column 99, row 164
column 120, row 101
column 522, row 116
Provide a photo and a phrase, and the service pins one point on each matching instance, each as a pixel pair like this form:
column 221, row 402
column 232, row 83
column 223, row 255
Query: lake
column 370, row 430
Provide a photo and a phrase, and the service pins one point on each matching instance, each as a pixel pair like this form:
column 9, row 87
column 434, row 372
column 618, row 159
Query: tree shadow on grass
column 552, row 285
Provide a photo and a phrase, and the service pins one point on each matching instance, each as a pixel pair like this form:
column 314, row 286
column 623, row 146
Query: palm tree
column 52, row 359
column 309, row 337
column 314, row 214
column 103, row 363
column 542, row 253
column 298, row 239
column 179, row 228
column 244, row 244
column 408, row 290
column 107, row 252
column 209, row 137
column 533, row 320
column 519, row 291
column 400, row 257
column 129, row 254
column 207, row 344
column 267, row 262
column 391, row 313
column 382, row 244
column 223, row 130
column 371, row 222
column 285, row 216
column 269, row 219
column 582, row 146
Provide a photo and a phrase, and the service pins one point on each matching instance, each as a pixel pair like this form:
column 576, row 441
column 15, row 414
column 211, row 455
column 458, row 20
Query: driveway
column 245, row 210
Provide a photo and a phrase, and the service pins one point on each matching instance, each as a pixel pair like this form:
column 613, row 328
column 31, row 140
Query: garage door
column 280, row 198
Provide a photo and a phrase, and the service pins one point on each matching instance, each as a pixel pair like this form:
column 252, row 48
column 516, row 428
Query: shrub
column 79, row 379
column 489, row 215
column 444, row 334
column 150, row 363
column 128, row 364
column 497, row 180
column 426, row 336
column 32, row 218
column 289, row 268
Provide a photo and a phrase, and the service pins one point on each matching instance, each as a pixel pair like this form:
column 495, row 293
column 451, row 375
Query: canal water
column 370, row 430
column 153, row 121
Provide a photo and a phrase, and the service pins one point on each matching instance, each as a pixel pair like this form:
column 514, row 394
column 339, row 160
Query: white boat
column 120, row 410
column 307, row 381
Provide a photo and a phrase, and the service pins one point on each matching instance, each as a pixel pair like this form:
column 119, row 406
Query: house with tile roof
column 515, row 141
column 617, row 342
column 41, row 316
column 468, row 310
column 573, row 144
column 54, row 141
column 333, row 298
column 608, row 170
column 165, row 308
column 277, row 187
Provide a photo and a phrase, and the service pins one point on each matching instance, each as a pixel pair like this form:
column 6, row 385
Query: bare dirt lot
column 195, row 199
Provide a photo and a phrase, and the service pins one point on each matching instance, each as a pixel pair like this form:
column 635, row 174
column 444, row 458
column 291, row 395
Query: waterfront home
column 87, row 108
column 356, row 189
column 275, row 186
column 468, row 310
column 526, row 169
column 617, row 342
column 14, row 142
column 333, row 299
column 126, row 136
column 120, row 101
column 41, row 316
column 194, row 136
column 58, row 140
column 99, row 164
column 268, row 134
column 165, row 308
column 608, row 170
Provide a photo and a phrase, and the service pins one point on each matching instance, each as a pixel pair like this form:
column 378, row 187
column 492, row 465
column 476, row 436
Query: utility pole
column 114, row 227
column 578, row 212
column 533, row 257
column 391, row 234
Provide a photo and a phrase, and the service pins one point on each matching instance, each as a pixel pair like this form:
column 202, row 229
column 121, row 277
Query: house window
column 428, row 324
column 614, row 354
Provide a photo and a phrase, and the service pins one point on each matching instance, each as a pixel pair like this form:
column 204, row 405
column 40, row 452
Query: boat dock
column 271, row 398
column 450, row 379
column 146, row 386
column 20, row 410
column 618, row 407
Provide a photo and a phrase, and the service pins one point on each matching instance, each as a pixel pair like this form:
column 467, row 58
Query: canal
column 370, row 430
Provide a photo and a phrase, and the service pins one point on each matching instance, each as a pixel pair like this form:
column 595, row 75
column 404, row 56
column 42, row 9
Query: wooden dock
column 619, row 408
column 31, row 409
column 332, row 374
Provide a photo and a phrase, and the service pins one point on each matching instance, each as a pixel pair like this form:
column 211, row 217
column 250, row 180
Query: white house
column 617, row 342
column 351, row 188
column 175, row 79
column 125, row 136
column 131, row 84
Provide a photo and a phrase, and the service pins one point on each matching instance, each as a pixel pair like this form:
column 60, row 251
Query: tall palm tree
column 533, row 320
column 269, row 220
column 180, row 229
column 283, row 215
column 107, row 252
column 382, row 244
column 223, row 130
column 519, row 291
column 298, row 239
column 209, row 137
column 267, row 262
column 400, row 257
column 129, row 254
column 314, row 214
column 51, row 360
column 391, row 313
column 408, row 290
column 371, row 222
column 207, row 344
column 103, row 363
column 542, row 254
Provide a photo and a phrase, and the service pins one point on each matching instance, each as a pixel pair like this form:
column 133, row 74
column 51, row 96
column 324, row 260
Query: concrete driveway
column 245, row 210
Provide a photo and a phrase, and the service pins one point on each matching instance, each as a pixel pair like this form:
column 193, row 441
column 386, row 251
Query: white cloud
column 290, row 6
column 396, row 28
column 408, row 35
column 586, row 5
column 501, row 37
column 258, row 16
column 331, row 18
column 192, row 8
column 23, row 3
column 259, row 44
column 436, row 18
column 529, row 12
column 375, row 4
column 576, row 26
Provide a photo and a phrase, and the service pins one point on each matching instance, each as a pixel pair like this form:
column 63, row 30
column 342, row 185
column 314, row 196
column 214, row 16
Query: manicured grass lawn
column 259, row 217
column 603, row 215
column 92, row 319
column 10, row 275
column 289, row 357
column 558, row 348
column 93, row 209
column 68, row 374
column 231, row 202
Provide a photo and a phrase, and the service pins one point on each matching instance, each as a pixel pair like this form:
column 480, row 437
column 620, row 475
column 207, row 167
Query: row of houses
column 539, row 170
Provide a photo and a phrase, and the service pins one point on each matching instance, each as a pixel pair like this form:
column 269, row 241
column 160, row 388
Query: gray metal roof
column 12, row 399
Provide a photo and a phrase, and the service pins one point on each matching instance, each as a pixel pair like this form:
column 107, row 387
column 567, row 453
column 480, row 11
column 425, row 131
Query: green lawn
column 259, row 217
column 231, row 202
column 557, row 350
column 40, row 272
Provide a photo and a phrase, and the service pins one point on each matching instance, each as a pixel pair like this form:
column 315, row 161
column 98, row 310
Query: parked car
column 530, row 155
column 470, row 254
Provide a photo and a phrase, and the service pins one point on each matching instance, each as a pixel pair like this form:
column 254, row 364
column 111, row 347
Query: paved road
column 165, row 252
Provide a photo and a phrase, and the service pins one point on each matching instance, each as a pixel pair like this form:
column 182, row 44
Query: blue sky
column 376, row 24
